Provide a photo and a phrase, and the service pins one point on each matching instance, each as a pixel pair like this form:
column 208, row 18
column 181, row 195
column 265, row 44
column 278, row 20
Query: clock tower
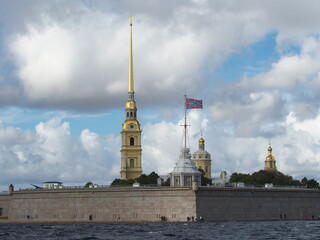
column 131, row 133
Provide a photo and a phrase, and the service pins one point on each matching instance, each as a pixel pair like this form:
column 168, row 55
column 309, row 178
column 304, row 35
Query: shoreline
column 128, row 221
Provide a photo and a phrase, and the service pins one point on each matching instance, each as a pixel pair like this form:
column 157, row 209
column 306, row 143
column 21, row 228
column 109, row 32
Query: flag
column 193, row 103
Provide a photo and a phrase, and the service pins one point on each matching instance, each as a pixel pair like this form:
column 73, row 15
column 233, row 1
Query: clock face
column 132, row 126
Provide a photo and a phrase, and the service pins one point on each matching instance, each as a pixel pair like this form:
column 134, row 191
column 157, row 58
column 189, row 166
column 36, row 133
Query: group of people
column 163, row 218
column 192, row 219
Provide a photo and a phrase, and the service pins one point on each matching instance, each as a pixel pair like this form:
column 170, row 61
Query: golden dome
column 270, row 158
column 131, row 104
column 201, row 141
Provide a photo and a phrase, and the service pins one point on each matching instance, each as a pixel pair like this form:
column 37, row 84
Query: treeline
column 276, row 178
column 152, row 179
column 143, row 179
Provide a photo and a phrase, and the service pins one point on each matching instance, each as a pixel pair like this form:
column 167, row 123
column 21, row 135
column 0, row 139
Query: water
column 206, row 230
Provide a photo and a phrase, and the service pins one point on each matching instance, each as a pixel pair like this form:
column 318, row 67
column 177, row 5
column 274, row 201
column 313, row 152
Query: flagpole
column 185, row 121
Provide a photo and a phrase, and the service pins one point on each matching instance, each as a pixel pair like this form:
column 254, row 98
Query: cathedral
column 186, row 169
column 131, row 167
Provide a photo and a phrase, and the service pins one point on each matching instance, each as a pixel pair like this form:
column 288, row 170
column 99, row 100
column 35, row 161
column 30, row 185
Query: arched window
column 131, row 141
column 131, row 162
column 130, row 114
column 206, row 169
column 135, row 114
column 127, row 114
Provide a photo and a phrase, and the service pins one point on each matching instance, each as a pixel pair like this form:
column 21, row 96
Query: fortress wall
column 5, row 200
column 131, row 204
column 249, row 204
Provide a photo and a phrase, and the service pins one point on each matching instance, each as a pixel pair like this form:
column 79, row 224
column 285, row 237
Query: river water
column 192, row 230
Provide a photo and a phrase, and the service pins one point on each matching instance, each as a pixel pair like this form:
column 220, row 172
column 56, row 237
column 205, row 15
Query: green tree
column 234, row 177
column 262, row 177
column 304, row 181
column 143, row 179
column 88, row 184
column 122, row 182
column 312, row 184
column 148, row 179
column 240, row 177
column 204, row 181
column 167, row 182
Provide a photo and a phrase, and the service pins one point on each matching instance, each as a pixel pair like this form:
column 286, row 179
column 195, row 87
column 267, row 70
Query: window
column 135, row 114
column 0, row 211
column 176, row 181
column 127, row 114
column 206, row 168
column 131, row 141
column 187, row 181
column 131, row 162
column 130, row 114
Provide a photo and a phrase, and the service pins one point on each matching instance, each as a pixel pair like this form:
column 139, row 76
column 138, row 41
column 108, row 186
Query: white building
column 52, row 185
column 185, row 171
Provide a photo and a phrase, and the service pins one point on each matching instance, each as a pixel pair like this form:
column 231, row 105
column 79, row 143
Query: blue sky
column 251, row 60
column 63, row 83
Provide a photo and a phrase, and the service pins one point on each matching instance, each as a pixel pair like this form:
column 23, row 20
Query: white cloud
column 73, row 55
column 51, row 153
column 79, row 60
column 294, row 70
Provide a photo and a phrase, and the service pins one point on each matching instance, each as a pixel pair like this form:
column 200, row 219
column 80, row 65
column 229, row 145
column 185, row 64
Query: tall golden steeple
column 130, row 78
column 131, row 133
column 270, row 162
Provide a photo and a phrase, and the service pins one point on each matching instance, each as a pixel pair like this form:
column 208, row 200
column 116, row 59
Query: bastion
column 172, row 204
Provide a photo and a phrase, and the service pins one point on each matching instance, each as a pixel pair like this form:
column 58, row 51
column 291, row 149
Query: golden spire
column 130, row 79
column 201, row 140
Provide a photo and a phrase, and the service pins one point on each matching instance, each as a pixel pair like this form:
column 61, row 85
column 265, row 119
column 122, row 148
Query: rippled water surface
column 193, row 230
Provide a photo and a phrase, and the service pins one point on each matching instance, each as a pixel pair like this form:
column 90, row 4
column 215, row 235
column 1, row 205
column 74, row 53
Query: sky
column 64, row 74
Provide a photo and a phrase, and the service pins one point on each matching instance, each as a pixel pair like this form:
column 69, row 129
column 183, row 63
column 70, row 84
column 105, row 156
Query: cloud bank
column 73, row 56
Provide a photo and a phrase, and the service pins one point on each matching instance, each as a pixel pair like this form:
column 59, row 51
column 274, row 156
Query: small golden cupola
column 270, row 162
column 202, row 159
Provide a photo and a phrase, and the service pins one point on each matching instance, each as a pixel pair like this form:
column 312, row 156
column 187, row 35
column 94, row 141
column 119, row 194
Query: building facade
column 131, row 166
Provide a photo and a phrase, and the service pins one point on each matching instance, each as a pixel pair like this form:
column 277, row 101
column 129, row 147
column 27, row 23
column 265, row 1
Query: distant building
column 52, row 185
column 270, row 162
column 202, row 159
column 222, row 181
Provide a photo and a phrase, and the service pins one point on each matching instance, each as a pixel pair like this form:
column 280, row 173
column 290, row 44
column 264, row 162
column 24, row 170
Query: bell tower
column 131, row 133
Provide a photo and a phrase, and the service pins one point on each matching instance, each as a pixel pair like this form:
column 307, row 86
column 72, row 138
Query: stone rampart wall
column 149, row 204
column 249, row 204
column 5, row 200
column 107, row 204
